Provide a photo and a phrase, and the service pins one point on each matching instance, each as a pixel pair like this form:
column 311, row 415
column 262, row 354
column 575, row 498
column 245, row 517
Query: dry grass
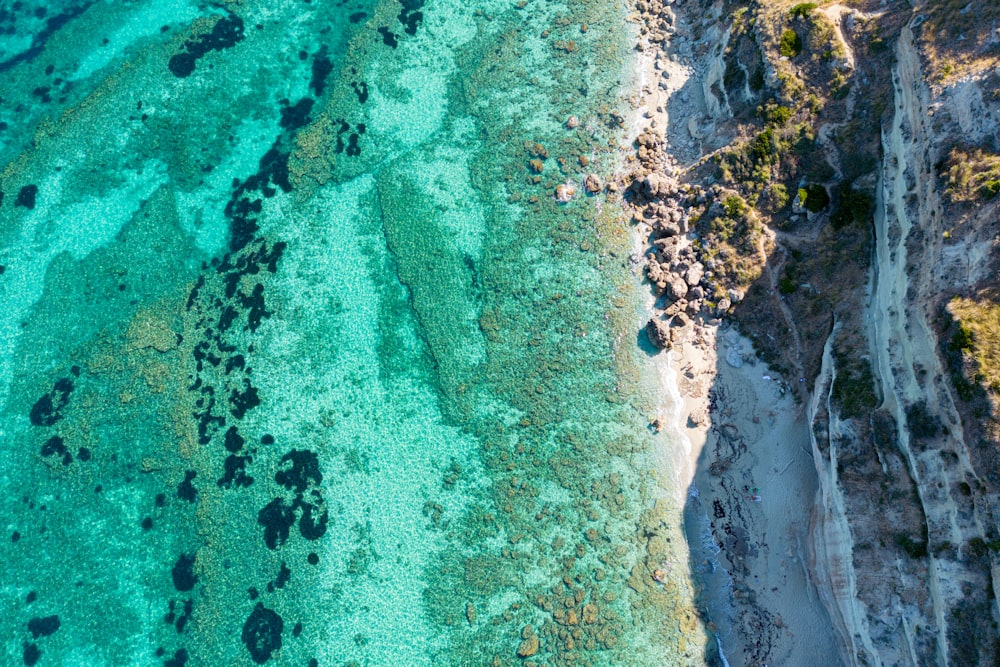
column 979, row 319
column 973, row 175
column 957, row 37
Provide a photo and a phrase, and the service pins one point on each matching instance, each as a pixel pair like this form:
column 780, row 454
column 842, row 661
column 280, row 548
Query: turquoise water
column 301, row 361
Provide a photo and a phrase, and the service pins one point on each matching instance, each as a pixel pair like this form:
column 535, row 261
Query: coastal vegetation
column 973, row 174
column 803, row 139
column 853, row 207
column 791, row 44
column 804, row 165
column 854, row 386
column 802, row 10
column 814, row 197
column 977, row 337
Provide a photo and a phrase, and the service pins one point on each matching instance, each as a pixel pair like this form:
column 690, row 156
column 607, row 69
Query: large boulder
column 657, row 185
column 666, row 227
column 593, row 183
column 695, row 274
column 677, row 289
column 655, row 272
column 658, row 333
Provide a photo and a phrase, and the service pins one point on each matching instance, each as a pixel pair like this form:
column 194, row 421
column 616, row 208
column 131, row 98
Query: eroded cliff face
column 867, row 144
column 935, row 603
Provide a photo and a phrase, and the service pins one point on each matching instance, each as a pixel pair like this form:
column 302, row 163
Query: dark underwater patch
column 47, row 410
column 38, row 41
column 43, row 626
column 296, row 115
column 26, row 197
column 226, row 33
column 31, row 654
column 183, row 574
column 321, row 68
column 277, row 518
column 55, row 446
column 303, row 471
column 361, row 90
column 235, row 474
column 179, row 660
column 410, row 16
column 388, row 37
column 186, row 490
column 262, row 633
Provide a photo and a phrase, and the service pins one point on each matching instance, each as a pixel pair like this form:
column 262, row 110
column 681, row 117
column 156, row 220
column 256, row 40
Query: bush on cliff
column 790, row 44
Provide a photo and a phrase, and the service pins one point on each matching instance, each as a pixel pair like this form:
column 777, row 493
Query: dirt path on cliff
column 836, row 15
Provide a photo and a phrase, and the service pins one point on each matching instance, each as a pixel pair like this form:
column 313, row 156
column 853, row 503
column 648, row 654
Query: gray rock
column 658, row 333
column 694, row 274
column 676, row 288
column 657, row 185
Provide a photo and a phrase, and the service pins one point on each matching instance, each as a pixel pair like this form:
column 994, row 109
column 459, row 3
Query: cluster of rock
column 671, row 264
column 657, row 22
column 665, row 207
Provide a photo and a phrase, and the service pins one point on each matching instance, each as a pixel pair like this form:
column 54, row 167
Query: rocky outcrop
column 658, row 333
column 917, row 589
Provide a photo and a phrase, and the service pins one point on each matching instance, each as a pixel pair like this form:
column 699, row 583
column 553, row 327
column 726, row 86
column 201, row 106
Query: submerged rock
column 565, row 192
column 43, row 626
column 593, row 183
column 528, row 647
column 183, row 573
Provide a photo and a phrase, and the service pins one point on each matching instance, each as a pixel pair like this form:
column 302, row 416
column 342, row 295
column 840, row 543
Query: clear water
column 337, row 384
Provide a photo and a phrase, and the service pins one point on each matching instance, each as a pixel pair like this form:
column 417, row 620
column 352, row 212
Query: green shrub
column 814, row 197
column 790, row 44
column 723, row 227
column 854, row 386
column 912, row 547
column 853, row 206
column 764, row 148
column 786, row 285
column 734, row 206
column 990, row 189
column 803, row 9
column 777, row 197
column 750, row 163
column 962, row 340
column 776, row 116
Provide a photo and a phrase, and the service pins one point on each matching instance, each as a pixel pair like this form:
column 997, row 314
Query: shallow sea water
column 301, row 363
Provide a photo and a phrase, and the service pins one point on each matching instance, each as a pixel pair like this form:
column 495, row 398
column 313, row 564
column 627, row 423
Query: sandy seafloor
column 302, row 363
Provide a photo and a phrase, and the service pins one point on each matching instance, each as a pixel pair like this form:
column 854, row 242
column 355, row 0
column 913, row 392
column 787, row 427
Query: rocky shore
column 750, row 479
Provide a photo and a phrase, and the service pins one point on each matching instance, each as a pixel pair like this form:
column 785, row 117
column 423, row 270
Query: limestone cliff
column 843, row 185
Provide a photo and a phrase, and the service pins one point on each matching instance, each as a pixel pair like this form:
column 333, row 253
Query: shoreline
column 747, row 468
